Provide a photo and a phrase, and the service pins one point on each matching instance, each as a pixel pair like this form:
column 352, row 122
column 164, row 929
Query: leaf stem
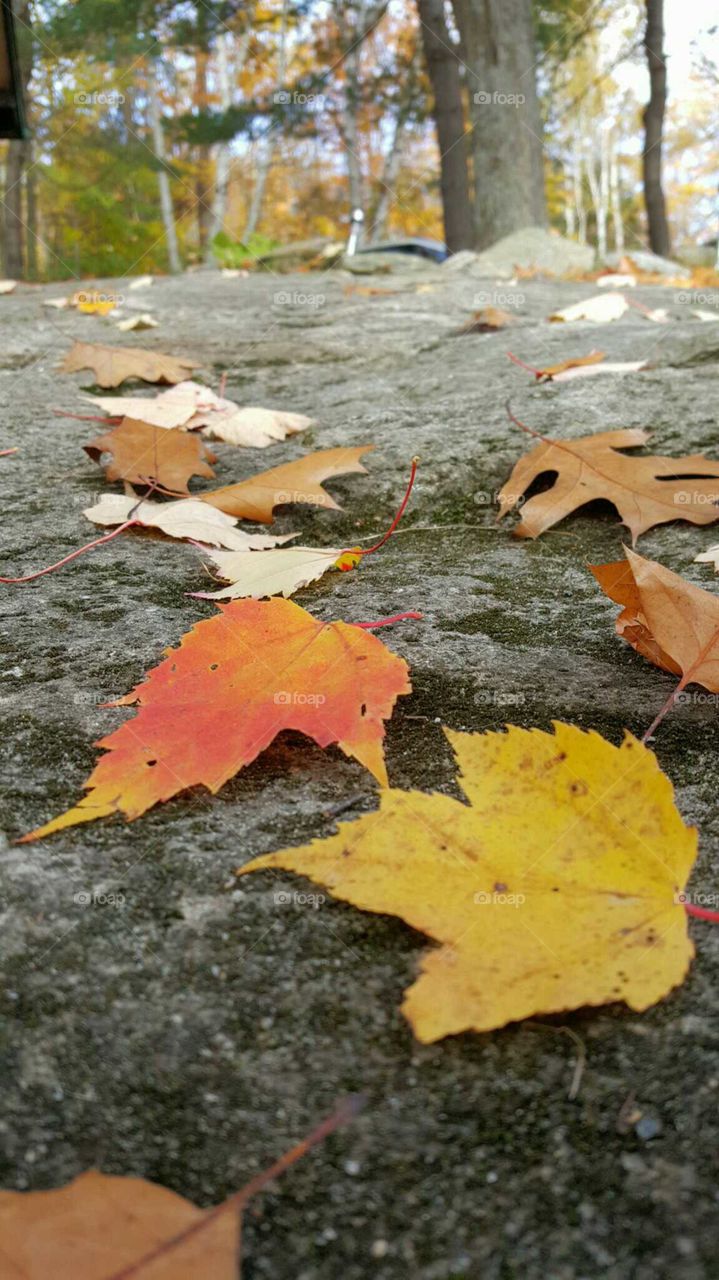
column 347, row 1109
column 402, row 506
column 538, row 373
column 98, row 542
column 90, row 417
column 386, row 622
column 701, row 913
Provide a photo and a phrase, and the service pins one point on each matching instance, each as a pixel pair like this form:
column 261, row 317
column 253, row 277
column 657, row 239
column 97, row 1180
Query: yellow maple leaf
column 557, row 886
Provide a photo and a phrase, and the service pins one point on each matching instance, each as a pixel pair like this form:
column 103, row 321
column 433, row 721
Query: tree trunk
column 264, row 163
column 14, row 229
column 443, row 70
column 223, row 158
column 499, row 47
column 659, row 239
column 616, row 199
column 350, row 128
column 163, row 179
column 380, row 214
column 31, row 262
column 202, row 152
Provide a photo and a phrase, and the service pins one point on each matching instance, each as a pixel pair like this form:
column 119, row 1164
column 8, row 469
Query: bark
column 163, row 178
column 499, row 48
column 264, row 163
column 448, row 112
column 380, row 214
column 203, row 209
column 659, row 239
column 13, row 224
column 31, row 263
column 18, row 159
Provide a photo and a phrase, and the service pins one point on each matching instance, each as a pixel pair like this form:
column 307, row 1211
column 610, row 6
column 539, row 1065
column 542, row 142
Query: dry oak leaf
column 250, row 427
column 98, row 1225
column 186, row 518
column 235, row 681
column 173, row 408
column 666, row 618
column 552, row 889
column 143, row 454
column 591, row 467
column 488, row 320
column 601, row 308
column 298, row 481
column 193, row 407
column 112, row 365
column 269, row 573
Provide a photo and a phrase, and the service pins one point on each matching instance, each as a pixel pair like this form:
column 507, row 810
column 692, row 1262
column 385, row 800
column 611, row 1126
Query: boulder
column 647, row 261
column 532, row 248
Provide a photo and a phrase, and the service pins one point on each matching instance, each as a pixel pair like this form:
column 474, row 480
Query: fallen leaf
column 140, row 282
column 269, row 573
column 58, row 304
column 173, row 408
column 298, row 481
column 706, row 316
column 591, row 467
column 97, row 1225
column 665, row 618
column 615, row 280
column 7, row 286
column 143, row 454
column 547, row 372
column 710, row 556
column 609, row 366
column 186, row 518
column 601, row 308
column 488, row 320
column 617, row 581
column 235, row 681
column 93, row 303
column 112, row 365
column 143, row 321
column 251, row 427
column 555, row 887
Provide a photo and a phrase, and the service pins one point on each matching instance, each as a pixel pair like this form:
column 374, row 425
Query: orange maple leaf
column 236, row 681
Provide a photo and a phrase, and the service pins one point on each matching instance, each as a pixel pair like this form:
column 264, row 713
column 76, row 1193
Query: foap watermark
column 292, row 698
column 94, row 298
column 698, row 298
column 283, row 898
column 696, row 698
column 499, row 298
column 296, row 495
column 687, row 899
column 499, row 698
column 500, row 897
column 688, row 497
column 294, row 298
column 97, row 898
column 483, row 98
column 105, row 98
column 295, row 98
column 490, row 498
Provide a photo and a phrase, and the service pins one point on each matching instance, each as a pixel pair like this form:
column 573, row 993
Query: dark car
column 416, row 245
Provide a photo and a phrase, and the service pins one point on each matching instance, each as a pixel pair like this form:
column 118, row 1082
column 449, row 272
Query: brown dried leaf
column 98, row 1225
column 299, row 481
column 143, row 454
column 646, row 491
column 112, row 365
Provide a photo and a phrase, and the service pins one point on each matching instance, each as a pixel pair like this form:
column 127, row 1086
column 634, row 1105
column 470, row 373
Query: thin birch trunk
column 223, row 161
column 163, row 179
column 264, row 163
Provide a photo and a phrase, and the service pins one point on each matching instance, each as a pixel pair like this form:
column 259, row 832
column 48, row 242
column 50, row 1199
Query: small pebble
column 648, row 1127
column 379, row 1248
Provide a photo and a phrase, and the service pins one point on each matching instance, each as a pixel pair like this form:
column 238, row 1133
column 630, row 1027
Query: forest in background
column 166, row 134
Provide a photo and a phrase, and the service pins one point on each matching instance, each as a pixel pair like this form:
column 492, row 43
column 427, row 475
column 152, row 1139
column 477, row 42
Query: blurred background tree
column 166, row 134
